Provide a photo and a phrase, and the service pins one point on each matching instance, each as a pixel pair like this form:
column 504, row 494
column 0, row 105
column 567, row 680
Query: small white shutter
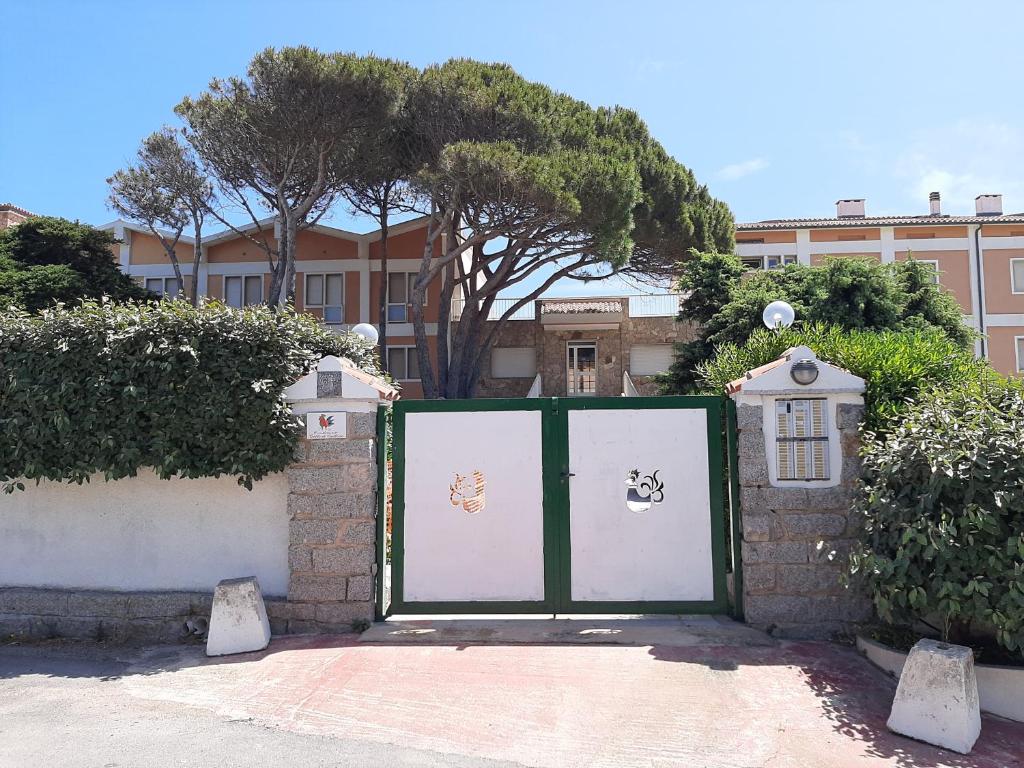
column 513, row 362
column 649, row 359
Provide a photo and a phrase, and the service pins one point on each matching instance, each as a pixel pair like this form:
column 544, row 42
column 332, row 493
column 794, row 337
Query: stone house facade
column 583, row 347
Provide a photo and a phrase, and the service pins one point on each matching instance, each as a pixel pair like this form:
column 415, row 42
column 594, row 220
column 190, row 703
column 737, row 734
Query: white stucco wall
column 144, row 533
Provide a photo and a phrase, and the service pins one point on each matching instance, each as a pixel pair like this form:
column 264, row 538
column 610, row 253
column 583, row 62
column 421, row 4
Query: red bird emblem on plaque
column 326, row 421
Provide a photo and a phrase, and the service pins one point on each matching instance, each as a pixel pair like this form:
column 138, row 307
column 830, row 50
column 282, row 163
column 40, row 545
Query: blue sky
column 781, row 108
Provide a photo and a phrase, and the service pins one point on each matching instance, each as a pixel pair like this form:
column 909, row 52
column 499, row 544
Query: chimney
column 935, row 202
column 850, row 209
column 988, row 205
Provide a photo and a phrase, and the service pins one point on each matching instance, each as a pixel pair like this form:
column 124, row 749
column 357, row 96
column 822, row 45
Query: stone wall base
column 144, row 617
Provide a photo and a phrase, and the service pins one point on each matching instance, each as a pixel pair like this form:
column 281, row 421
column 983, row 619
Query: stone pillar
column 332, row 508
column 796, row 537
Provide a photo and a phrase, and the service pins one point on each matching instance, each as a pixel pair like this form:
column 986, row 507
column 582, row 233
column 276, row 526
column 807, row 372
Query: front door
column 582, row 369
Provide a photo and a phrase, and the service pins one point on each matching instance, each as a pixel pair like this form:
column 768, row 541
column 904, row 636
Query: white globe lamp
column 367, row 331
column 778, row 315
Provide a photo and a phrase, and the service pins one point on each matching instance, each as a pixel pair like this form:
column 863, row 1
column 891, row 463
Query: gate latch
column 567, row 474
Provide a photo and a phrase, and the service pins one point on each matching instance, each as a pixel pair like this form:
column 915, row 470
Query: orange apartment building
column 337, row 278
column 979, row 259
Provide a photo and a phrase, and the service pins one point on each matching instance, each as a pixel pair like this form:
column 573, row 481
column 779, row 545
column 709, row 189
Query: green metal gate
column 548, row 505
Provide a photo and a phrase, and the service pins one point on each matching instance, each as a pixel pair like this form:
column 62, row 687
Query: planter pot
column 1000, row 689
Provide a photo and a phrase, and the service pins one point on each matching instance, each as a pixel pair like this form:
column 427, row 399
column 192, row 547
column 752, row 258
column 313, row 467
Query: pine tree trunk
column 382, row 292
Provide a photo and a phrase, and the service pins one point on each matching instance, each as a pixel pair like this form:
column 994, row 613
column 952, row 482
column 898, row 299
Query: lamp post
column 778, row 315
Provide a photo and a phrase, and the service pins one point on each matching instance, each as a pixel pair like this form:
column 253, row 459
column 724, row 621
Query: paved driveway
column 425, row 694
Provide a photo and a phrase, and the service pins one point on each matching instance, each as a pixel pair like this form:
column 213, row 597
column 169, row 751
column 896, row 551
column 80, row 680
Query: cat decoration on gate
column 468, row 492
column 643, row 491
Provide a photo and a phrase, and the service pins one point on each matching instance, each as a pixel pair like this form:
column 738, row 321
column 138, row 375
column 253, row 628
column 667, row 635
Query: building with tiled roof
column 979, row 259
column 11, row 215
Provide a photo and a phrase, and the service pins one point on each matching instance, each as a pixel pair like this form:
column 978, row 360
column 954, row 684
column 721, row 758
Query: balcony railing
column 653, row 305
column 499, row 308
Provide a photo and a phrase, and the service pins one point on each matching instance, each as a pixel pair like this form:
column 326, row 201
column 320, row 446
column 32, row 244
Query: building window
column 400, row 296
column 649, row 359
column 513, row 363
column 326, row 292
column 1019, row 344
column 801, row 435
column 768, row 262
column 1017, row 275
column 403, row 364
column 243, row 290
column 165, row 287
column 934, row 264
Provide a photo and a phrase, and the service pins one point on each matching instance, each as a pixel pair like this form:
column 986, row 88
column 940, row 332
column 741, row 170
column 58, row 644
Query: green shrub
column 195, row 392
column 852, row 293
column 943, row 505
column 45, row 260
column 895, row 365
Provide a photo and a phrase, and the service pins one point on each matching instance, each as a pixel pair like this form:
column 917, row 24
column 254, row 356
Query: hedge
column 190, row 392
column 896, row 365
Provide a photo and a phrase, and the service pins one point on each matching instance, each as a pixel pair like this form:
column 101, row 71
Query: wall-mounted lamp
column 804, row 372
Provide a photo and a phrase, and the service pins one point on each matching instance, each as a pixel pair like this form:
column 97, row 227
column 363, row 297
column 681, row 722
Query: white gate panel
column 663, row 552
column 459, row 549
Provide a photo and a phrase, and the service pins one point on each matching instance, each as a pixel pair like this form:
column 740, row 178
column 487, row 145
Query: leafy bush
column 45, row 260
column 188, row 391
column 944, row 514
column 895, row 365
column 855, row 294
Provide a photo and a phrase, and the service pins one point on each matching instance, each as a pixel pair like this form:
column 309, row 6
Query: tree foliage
column 283, row 135
column 897, row 366
column 45, row 260
column 944, row 514
column 166, row 191
column 850, row 293
column 191, row 392
column 527, row 181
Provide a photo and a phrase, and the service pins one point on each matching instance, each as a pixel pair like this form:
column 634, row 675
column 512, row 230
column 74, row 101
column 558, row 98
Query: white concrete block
column 937, row 698
column 238, row 621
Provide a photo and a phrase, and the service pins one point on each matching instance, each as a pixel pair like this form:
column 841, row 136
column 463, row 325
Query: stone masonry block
column 316, row 588
column 849, row 441
column 300, row 558
column 757, row 527
column 313, row 531
column 770, row 499
column 774, row 552
column 753, row 473
column 362, row 424
column 345, row 561
column 851, row 469
column 44, row 602
column 750, row 447
column 808, row 579
column 320, row 479
column 282, row 609
column 835, row 498
column 359, row 532
column 157, row 605
column 847, row 607
column 341, row 450
column 776, row 609
column 749, row 417
column 341, row 616
column 759, row 579
column 360, row 588
column 109, row 604
column 814, row 525
column 327, row 505
column 849, row 415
